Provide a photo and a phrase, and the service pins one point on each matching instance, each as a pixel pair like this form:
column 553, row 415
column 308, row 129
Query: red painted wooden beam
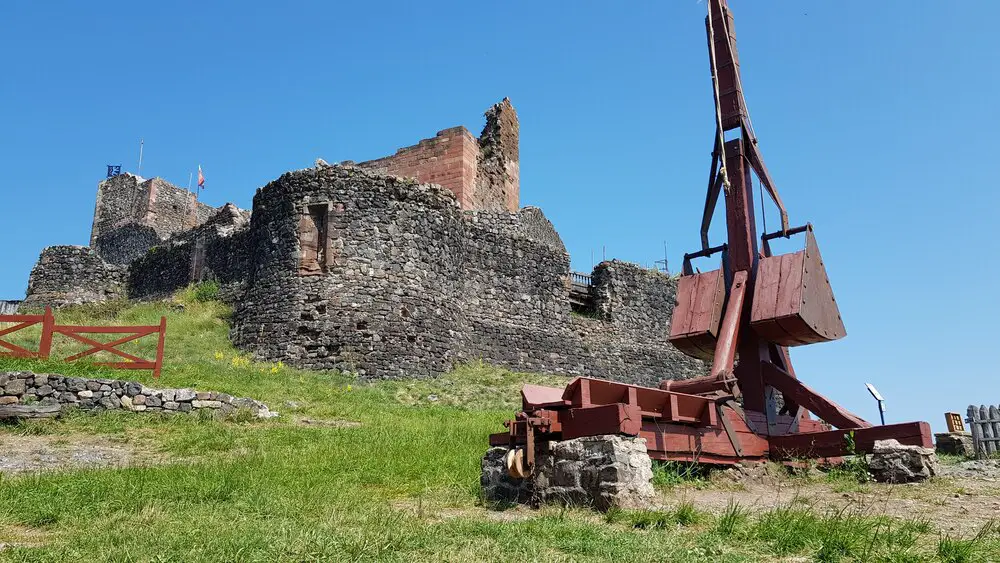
column 815, row 403
column 834, row 442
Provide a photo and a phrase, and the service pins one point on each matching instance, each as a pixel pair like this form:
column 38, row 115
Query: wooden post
column 159, row 348
column 977, row 437
column 45, row 344
column 994, row 422
column 987, row 430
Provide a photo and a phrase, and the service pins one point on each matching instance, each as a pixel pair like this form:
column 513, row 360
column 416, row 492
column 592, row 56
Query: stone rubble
column 892, row 462
column 955, row 443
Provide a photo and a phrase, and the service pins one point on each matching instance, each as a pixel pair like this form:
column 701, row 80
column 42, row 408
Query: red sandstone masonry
column 454, row 159
column 448, row 159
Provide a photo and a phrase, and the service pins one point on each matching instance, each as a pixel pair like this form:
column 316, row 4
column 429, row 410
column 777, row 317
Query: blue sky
column 875, row 119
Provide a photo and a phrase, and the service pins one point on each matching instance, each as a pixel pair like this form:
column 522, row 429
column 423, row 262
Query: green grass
column 402, row 485
column 669, row 474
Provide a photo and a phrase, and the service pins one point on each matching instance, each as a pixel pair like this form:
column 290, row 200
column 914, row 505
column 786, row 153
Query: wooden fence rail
column 50, row 328
column 984, row 421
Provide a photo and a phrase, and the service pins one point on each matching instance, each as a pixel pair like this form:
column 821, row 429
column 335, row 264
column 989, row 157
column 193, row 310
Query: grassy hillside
column 355, row 471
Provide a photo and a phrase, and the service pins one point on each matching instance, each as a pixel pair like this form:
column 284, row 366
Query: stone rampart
column 70, row 275
column 124, row 244
column 388, row 278
column 363, row 268
column 129, row 199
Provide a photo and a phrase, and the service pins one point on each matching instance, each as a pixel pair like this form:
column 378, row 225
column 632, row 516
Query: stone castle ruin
column 395, row 267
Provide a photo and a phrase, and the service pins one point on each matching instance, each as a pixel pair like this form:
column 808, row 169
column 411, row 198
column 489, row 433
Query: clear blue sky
column 875, row 119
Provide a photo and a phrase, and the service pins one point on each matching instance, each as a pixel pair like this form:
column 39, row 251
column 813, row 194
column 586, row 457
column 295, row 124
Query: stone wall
column 68, row 275
column 122, row 245
column 409, row 285
column 216, row 250
column 25, row 387
column 362, row 268
column 121, row 200
column 498, row 174
column 382, row 302
column 482, row 173
column 447, row 159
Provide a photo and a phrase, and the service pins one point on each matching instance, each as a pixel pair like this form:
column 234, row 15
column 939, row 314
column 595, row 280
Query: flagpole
column 139, row 172
column 190, row 175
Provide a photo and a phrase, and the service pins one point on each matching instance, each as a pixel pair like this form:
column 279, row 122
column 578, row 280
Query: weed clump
column 205, row 291
column 669, row 474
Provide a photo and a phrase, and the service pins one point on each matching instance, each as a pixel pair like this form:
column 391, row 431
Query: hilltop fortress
column 396, row 267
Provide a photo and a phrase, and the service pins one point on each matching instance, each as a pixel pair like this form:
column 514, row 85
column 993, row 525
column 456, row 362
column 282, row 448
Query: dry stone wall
column 25, row 388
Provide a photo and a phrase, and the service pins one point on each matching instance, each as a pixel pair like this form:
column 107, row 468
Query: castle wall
column 122, row 245
column 483, row 173
column 127, row 199
column 411, row 285
column 171, row 210
column 498, row 173
column 68, row 275
column 362, row 268
column 384, row 302
column 120, row 200
column 216, row 250
column 448, row 159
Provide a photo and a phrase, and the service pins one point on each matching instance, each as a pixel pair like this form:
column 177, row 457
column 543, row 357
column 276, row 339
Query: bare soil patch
column 327, row 423
column 22, row 536
column 21, row 454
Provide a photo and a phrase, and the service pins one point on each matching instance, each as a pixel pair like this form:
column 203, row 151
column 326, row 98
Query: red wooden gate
column 22, row 322
column 49, row 328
